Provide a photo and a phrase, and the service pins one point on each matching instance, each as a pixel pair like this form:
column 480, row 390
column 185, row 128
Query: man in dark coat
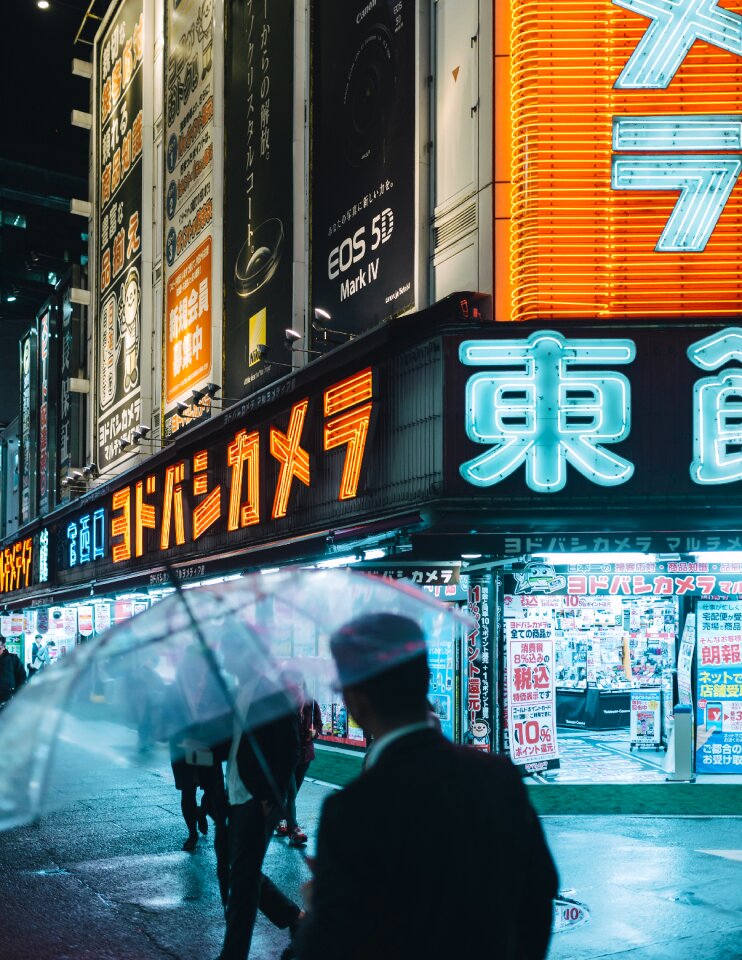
column 435, row 851
column 12, row 673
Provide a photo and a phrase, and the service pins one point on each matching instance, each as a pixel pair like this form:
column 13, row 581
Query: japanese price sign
column 530, row 688
column 645, row 722
column 719, row 688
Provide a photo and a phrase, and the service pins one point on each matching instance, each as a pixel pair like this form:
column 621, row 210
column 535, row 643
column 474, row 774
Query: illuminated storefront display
column 626, row 154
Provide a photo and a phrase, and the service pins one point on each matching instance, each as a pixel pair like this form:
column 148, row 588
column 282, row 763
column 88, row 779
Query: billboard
column 28, row 423
column 190, row 309
column 363, row 160
column 47, row 443
column 119, row 98
column 72, row 406
column 626, row 151
column 258, row 187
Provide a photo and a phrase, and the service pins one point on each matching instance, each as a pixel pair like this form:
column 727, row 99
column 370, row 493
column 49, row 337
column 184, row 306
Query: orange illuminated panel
column 293, row 458
column 207, row 512
column 15, row 565
column 244, row 449
column 351, row 428
column 121, row 525
column 144, row 514
column 578, row 247
column 348, row 393
column 172, row 504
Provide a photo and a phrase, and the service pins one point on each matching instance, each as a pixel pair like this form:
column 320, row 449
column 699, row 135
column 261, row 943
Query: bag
column 197, row 754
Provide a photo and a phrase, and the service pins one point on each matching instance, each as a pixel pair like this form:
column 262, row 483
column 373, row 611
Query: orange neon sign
column 144, row 513
column 173, row 504
column 121, row 525
column 602, row 109
column 294, row 459
column 15, row 565
column 210, row 509
column 349, row 428
column 244, row 450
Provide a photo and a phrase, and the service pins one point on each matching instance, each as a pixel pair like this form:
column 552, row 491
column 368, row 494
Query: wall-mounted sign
column 190, row 308
column 28, row 452
column 638, row 219
column 259, row 194
column 48, row 352
column 719, row 688
column 363, row 137
column 119, row 101
column 16, row 566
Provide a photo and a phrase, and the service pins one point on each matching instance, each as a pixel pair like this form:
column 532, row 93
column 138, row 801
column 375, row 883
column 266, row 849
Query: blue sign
column 86, row 538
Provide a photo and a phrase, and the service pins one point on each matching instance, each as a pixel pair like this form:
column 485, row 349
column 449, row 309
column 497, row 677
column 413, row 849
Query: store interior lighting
column 270, row 569
column 717, row 556
column 375, row 553
column 564, row 559
column 339, row 561
column 471, row 556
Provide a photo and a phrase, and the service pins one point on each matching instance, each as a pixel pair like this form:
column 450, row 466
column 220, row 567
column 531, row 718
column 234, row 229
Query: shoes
column 203, row 823
column 298, row 838
column 282, row 830
column 190, row 844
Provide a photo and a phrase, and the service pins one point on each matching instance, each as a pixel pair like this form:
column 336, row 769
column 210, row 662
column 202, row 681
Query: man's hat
column 373, row 644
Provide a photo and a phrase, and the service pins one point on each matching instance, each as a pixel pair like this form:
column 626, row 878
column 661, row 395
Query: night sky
column 38, row 89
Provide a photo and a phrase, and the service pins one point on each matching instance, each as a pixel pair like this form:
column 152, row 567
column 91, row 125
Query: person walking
column 474, row 870
column 12, row 674
column 260, row 766
column 310, row 726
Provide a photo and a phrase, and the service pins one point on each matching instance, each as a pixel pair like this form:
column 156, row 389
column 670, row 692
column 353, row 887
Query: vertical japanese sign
column 685, row 660
column 119, row 183
column 47, row 339
column 719, row 688
column 363, row 160
column 71, row 414
column 258, row 207
column 530, row 694
column 478, row 669
column 189, row 204
column 29, row 439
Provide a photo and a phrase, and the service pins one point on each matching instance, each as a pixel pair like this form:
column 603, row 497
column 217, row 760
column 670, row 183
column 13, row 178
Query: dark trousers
column 249, row 889
column 294, row 785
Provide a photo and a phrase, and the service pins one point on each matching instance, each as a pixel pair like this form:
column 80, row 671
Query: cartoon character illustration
column 129, row 328
column 109, row 352
column 539, row 577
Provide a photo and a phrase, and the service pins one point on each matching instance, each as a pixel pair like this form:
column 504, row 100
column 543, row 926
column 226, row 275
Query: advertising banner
column 685, row 660
column 47, row 336
column 190, row 308
column 442, row 679
column 645, row 722
column 119, row 101
column 531, row 694
column 258, row 188
column 102, row 617
column 85, row 621
column 719, row 688
column 480, row 651
column 29, row 433
column 363, row 161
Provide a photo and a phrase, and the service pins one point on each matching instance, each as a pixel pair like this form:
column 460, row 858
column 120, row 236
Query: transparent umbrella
column 194, row 669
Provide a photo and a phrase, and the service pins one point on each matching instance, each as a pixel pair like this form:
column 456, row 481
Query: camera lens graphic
column 369, row 96
column 259, row 257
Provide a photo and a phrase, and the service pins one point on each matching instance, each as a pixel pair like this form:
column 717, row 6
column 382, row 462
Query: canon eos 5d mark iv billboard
column 363, row 160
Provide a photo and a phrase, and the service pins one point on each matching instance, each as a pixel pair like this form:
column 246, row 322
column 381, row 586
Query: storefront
column 392, row 453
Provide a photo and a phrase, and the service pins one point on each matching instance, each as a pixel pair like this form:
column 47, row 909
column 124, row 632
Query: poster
column 645, row 722
column 685, row 660
column 189, row 206
column 47, row 438
column 363, row 169
column 478, row 730
column 258, row 188
column 102, row 617
column 531, row 697
column 441, row 690
column 85, row 620
column 28, row 437
column 119, row 233
column 719, row 688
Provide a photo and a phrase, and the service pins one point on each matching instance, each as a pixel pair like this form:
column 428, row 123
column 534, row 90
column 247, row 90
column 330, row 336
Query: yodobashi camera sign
column 363, row 225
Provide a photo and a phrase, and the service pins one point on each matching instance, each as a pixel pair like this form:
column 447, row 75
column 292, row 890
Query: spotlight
column 122, row 443
column 262, row 351
column 319, row 325
column 182, row 408
column 91, row 470
column 197, row 396
column 211, row 389
column 77, row 475
column 291, row 336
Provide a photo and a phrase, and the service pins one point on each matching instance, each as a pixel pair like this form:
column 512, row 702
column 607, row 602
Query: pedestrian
column 262, row 760
column 310, row 726
column 40, row 656
column 12, row 673
column 473, row 869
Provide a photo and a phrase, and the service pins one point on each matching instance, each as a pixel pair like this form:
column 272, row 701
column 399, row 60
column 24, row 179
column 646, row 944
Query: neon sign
column 543, row 414
column 717, row 423
column 15, row 565
column 86, row 538
column 705, row 181
column 44, row 556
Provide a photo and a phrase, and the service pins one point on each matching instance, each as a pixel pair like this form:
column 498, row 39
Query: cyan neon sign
column 705, row 181
column 542, row 414
column 86, row 538
column 717, row 410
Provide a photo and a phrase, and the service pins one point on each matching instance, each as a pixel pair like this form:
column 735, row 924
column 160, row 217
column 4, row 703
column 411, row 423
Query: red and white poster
column 531, row 694
column 85, row 621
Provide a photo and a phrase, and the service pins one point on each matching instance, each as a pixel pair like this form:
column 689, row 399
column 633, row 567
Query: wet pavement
column 104, row 878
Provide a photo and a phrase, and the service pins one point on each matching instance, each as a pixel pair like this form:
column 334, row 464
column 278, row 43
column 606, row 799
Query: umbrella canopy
column 191, row 670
